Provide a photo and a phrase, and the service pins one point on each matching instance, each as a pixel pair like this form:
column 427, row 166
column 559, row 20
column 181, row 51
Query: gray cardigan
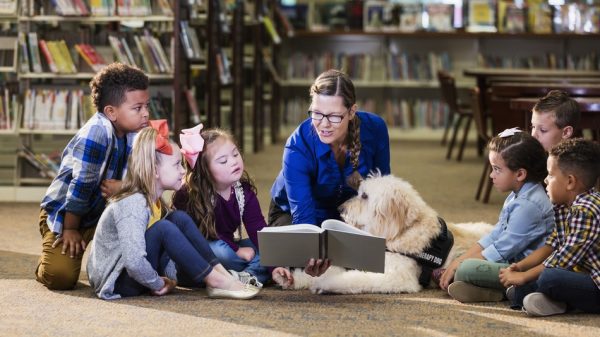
column 119, row 243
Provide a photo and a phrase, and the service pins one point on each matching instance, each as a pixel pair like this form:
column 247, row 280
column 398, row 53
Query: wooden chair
column 458, row 113
column 481, row 125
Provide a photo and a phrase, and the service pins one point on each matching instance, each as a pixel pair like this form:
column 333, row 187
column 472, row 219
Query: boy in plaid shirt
column 91, row 168
column 565, row 273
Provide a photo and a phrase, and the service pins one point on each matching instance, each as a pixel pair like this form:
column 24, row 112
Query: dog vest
column 435, row 254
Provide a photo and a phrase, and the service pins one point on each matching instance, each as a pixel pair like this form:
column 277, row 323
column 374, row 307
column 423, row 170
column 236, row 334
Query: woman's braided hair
column 336, row 83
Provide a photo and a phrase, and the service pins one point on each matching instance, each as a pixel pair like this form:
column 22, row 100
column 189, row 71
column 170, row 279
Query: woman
column 327, row 156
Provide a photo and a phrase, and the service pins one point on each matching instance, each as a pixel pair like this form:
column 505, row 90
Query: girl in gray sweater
column 138, row 247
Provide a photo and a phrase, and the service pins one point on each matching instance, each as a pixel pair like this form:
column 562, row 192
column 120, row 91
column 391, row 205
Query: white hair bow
column 509, row 132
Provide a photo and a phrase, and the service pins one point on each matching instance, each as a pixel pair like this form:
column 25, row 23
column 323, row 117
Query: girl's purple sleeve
column 253, row 218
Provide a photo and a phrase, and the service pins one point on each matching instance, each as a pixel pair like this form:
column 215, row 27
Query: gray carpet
column 28, row 309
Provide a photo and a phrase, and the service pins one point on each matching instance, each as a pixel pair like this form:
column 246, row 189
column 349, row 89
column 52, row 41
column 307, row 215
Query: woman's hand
column 167, row 288
column 448, row 275
column 283, row 277
column 245, row 253
column 316, row 268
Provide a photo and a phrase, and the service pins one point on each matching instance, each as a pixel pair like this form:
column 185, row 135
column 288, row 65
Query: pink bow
column 162, row 139
column 191, row 144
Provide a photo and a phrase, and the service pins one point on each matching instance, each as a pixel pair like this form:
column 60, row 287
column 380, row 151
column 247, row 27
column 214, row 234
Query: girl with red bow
column 139, row 246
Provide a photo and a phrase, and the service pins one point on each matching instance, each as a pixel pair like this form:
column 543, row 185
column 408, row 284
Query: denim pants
column 176, row 238
column 230, row 260
column 577, row 290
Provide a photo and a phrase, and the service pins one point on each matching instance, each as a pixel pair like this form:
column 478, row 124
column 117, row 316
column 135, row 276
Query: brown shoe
column 466, row 293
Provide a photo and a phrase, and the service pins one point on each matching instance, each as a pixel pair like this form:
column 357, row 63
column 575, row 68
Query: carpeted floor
column 28, row 309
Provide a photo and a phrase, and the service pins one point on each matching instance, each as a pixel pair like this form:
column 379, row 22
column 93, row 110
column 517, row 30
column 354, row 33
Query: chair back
column 448, row 88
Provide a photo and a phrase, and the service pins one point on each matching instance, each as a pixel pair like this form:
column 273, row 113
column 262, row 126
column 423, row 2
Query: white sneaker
column 539, row 304
column 246, row 278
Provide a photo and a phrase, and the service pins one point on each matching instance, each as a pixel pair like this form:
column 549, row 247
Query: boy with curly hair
column 92, row 165
column 564, row 274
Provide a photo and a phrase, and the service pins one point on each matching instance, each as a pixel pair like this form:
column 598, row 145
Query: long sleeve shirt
column 227, row 214
column 311, row 185
column 120, row 243
column 93, row 154
column 526, row 219
column 576, row 236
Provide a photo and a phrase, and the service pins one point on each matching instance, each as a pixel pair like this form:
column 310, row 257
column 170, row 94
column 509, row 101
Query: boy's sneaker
column 246, row 278
column 466, row 293
column 510, row 294
column 539, row 304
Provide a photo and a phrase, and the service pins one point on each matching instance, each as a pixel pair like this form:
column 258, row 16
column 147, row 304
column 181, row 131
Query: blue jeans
column 577, row 290
column 230, row 260
column 176, row 238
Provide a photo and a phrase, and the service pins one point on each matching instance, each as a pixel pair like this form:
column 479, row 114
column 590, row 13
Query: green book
column 342, row 244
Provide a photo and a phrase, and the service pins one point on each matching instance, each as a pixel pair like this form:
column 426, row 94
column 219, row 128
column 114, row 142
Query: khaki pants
column 55, row 270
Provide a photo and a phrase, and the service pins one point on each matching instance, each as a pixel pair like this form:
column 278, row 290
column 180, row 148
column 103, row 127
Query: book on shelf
column 70, row 7
column 195, row 116
column 223, row 67
column 89, row 54
column 482, row 16
column 539, row 16
column 23, row 52
column 56, row 109
column 342, row 244
column 102, row 7
column 373, row 15
column 270, row 28
column 9, row 46
column 286, row 25
column 34, row 52
column 9, row 105
column 8, row 7
column 46, row 165
column 190, row 42
column 327, row 15
column 512, row 17
column 411, row 15
column 296, row 14
column 440, row 17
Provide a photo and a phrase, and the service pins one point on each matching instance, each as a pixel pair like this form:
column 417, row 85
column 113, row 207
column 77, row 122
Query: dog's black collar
column 435, row 254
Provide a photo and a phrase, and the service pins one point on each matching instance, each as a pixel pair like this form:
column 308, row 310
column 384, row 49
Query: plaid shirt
column 576, row 237
column 91, row 156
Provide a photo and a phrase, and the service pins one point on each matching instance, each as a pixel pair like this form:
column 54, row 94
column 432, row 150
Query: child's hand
column 245, row 253
column 109, row 187
column 514, row 267
column 167, row 288
column 510, row 277
column 283, row 277
column 73, row 243
column 448, row 275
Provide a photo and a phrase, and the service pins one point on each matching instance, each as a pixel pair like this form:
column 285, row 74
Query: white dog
column 389, row 207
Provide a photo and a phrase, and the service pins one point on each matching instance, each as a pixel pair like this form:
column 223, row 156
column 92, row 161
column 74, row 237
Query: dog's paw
column 282, row 282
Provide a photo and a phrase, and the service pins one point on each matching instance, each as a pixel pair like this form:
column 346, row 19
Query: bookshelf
column 89, row 38
column 393, row 67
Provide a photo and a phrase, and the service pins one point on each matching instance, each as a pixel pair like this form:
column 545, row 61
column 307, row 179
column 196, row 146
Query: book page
column 340, row 226
column 299, row 228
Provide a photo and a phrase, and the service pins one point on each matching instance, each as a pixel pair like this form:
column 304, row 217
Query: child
column 91, row 165
column 137, row 247
column 554, row 117
column 219, row 195
column 565, row 273
column 518, row 166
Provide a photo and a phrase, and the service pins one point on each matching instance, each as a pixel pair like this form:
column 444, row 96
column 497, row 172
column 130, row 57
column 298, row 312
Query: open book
column 342, row 244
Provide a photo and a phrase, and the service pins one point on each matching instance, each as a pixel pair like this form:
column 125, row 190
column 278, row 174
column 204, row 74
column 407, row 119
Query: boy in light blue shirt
column 527, row 218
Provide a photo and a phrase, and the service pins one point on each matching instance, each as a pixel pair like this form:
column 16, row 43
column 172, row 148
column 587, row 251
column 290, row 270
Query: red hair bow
column 162, row 139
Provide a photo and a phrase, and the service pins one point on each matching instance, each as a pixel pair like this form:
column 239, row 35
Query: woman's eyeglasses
column 334, row 119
